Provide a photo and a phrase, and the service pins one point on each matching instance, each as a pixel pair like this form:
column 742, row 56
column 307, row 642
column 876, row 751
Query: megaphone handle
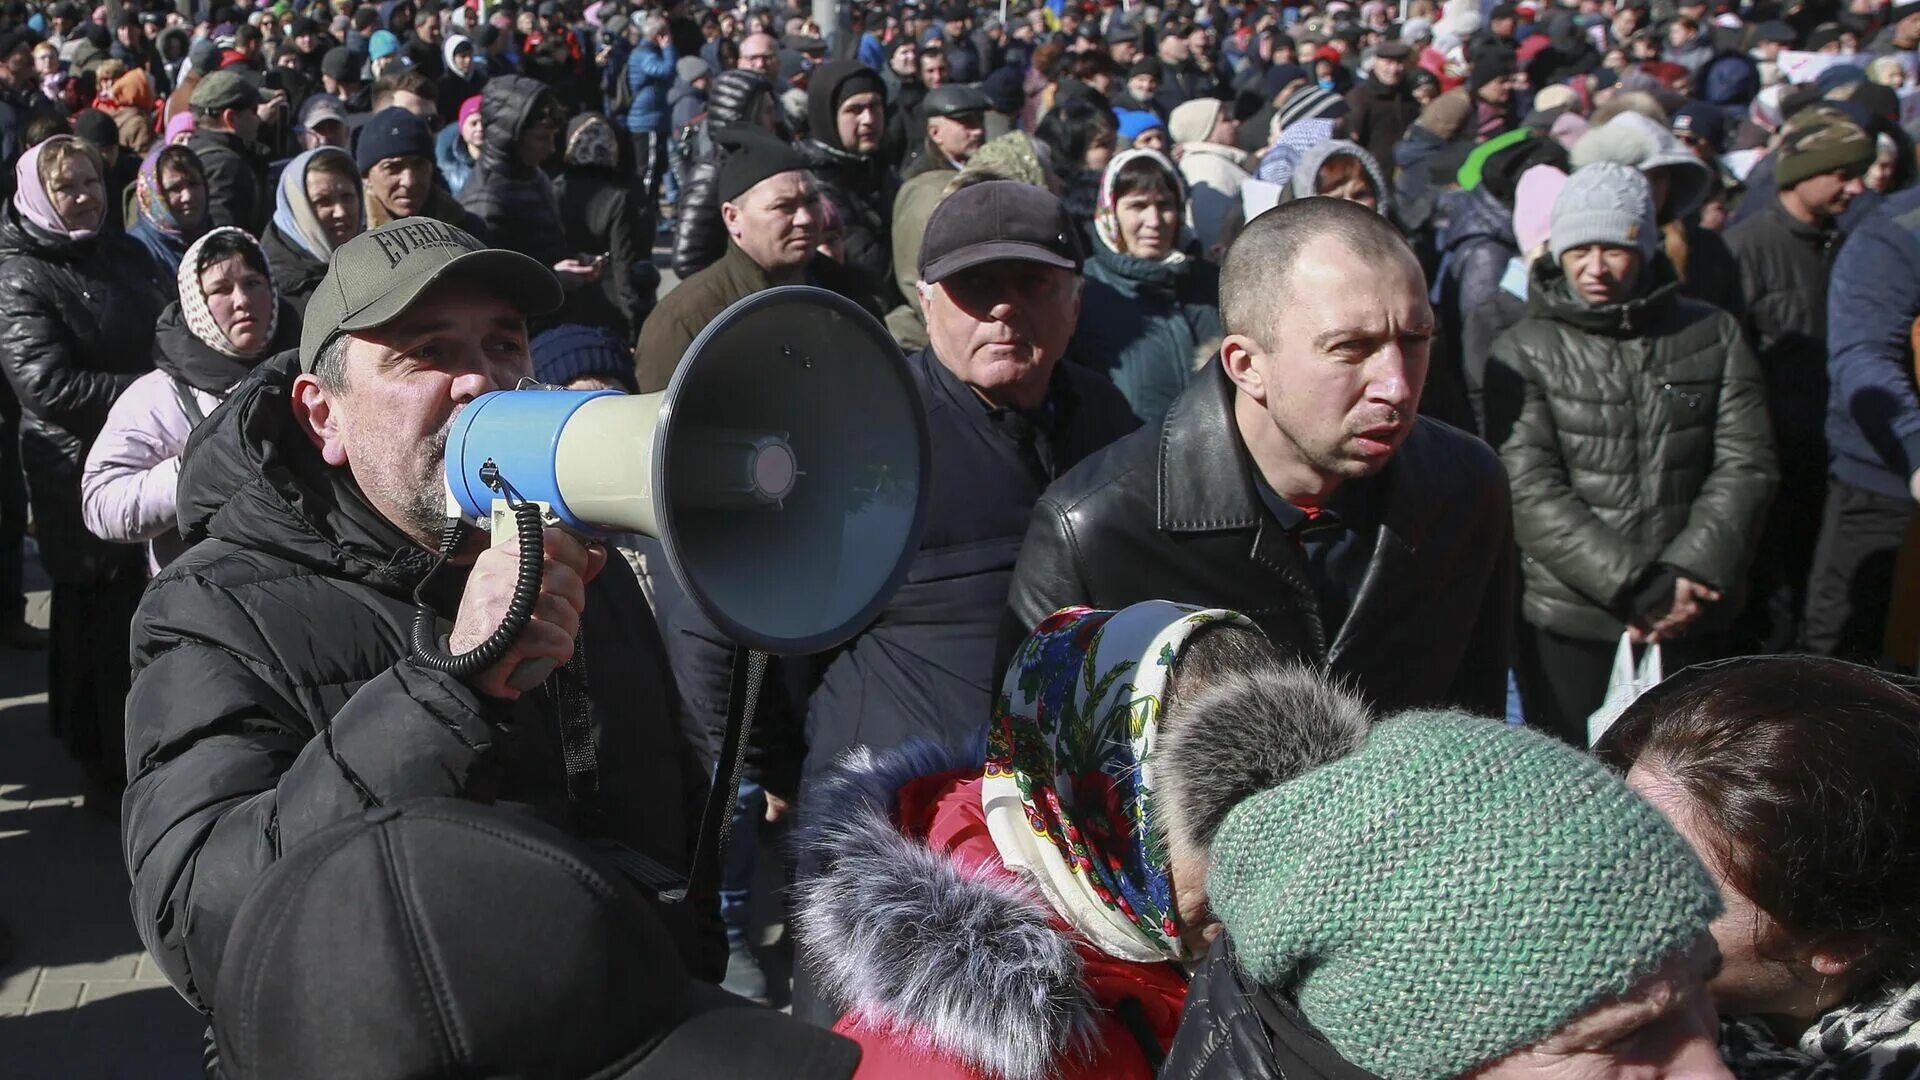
column 528, row 673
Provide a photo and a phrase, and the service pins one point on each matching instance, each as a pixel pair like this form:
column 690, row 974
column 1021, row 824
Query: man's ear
column 730, row 219
column 315, row 409
column 1240, row 357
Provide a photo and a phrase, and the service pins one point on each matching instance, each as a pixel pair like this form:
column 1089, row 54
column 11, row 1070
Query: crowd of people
column 1319, row 396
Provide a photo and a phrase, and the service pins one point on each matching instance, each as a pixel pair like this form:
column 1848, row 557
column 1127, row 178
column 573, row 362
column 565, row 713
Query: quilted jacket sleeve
column 1551, row 523
column 133, row 467
column 227, row 770
column 698, row 239
column 37, row 352
column 1717, row 543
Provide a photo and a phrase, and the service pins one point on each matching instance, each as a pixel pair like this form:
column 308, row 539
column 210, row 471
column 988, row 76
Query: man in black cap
column 771, row 211
column 20, row 99
column 133, row 48
column 1182, row 77
column 1140, row 89
column 440, row 938
column 1382, row 107
column 340, row 75
column 999, row 278
column 225, row 126
column 274, row 691
column 846, row 121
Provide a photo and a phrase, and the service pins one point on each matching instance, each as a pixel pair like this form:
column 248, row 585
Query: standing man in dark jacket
column 1294, row 482
column 223, row 138
column 650, row 73
column 1382, row 108
column 274, row 690
column 20, row 99
column 507, row 190
column 846, row 119
column 1873, row 431
column 1785, row 253
column 737, row 97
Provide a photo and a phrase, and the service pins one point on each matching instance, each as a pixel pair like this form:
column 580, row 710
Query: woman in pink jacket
column 228, row 318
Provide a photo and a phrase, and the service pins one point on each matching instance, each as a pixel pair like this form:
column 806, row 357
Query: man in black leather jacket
column 1293, row 481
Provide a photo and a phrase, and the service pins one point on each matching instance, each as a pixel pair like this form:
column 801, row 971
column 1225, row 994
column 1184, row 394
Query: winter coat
column 1234, row 1030
column 1784, row 267
column 1181, row 83
column 1214, row 174
column 650, row 77
column 1637, row 441
column 699, row 237
column 1147, row 324
column 1709, row 273
column 453, row 91
column 451, row 158
column 18, row 108
column 515, row 202
column 857, row 187
column 685, row 103
column 236, row 182
column 133, row 468
column 273, row 695
column 296, row 272
column 1378, row 116
column 925, row 666
column 918, row 198
column 904, row 869
column 1873, row 412
column 76, row 329
column 684, row 312
column 1476, row 246
column 1172, row 512
column 599, row 210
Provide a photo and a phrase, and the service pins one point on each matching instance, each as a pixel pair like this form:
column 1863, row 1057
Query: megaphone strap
column 575, row 702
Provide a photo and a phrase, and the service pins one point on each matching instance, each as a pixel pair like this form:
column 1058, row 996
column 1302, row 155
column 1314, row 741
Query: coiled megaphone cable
column 531, row 530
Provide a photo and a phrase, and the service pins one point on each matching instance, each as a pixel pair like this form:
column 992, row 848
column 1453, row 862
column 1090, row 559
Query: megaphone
column 784, row 469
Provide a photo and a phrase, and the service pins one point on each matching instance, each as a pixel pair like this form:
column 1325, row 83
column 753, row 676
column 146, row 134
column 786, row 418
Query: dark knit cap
column 567, row 352
column 340, row 64
column 303, row 24
column 1489, row 63
column 97, row 128
column 1148, row 66
column 1311, row 102
column 1816, row 144
column 390, row 133
column 750, row 155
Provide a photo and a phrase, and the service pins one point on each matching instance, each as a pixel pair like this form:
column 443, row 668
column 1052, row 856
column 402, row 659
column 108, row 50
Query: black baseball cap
column 376, row 276
column 954, row 99
column 997, row 221
column 1393, row 50
column 441, row 937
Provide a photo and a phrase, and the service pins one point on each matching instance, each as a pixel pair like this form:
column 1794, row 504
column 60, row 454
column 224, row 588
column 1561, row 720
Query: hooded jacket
column 1379, row 115
column 454, row 88
column 855, row 183
column 1306, row 172
column 1476, row 246
column 598, row 207
column 273, row 696
column 905, row 869
column 514, row 201
column 76, row 329
column 698, row 235
column 1636, row 438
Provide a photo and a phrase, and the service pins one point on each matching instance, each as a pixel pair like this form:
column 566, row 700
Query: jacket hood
column 508, row 104
column 181, row 354
column 1551, row 295
column 252, row 477
column 1475, row 215
column 827, row 88
column 682, row 90
column 734, row 96
column 1307, row 170
column 447, row 47
column 880, row 917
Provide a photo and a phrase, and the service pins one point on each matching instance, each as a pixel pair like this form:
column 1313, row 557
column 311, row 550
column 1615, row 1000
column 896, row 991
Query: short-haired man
column 760, row 54
column 225, row 126
column 1295, row 481
column 772, row 215
column 274, row 693
column 395, row 159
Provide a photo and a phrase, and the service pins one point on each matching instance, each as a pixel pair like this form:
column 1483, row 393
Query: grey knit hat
column 1604, row 203
column 1453, row 891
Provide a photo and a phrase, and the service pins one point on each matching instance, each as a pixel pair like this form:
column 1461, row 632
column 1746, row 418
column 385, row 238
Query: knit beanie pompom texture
column 1453, row 891
column 1607, row 204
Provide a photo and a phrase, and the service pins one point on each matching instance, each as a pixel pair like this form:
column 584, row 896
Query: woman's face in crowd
column 1149, row 221
column 1880, row 174
column 77, row 194
column 1100, row 151
column 1764, row 972
column 336, row 204
column 473, row 132
column 241, row 300
column 185, row 194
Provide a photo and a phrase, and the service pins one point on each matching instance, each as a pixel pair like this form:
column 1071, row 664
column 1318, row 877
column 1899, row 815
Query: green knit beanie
column 1453, row 891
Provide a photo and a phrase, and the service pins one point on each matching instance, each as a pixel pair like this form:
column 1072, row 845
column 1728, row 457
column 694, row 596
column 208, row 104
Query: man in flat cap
column 274, row 688
column 1381, row 108
column 772, row 215
column 225, row 126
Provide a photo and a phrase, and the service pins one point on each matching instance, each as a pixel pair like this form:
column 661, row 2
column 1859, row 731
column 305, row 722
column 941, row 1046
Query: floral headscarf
column 1106, row 215
column 1068, row 789
column 148, row 195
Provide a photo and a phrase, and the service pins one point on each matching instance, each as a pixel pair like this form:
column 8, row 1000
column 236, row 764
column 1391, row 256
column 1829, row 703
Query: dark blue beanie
column 389, row 133
column 567, row 352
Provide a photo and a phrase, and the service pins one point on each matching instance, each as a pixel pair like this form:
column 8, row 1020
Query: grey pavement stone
column 16, row 986
column 52, row 996
column 118, row 968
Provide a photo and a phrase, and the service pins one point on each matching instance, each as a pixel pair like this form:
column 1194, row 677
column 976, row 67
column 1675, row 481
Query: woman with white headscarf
column 228, row 319
column 317, row 207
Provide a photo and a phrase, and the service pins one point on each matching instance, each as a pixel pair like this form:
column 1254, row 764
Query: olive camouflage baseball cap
column 376, row 276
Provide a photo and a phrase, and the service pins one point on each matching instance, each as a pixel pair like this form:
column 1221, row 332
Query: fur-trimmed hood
column 917, row 946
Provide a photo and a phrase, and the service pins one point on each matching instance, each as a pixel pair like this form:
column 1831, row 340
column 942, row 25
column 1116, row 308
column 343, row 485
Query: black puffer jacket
column 515, row 202
column 76, row 329
column 856, row 184
column 1232, row 1030
column 296, row 273
column 601, row 212
column 699, row 239
column 1636, row 439
column 272, row 695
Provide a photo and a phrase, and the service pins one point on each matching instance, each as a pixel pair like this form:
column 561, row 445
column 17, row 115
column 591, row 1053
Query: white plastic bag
column 1628, row 682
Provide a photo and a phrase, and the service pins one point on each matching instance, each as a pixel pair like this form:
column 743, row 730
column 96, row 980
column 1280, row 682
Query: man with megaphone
column 275, row 691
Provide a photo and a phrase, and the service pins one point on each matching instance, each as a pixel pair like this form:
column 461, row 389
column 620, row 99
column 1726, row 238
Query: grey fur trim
column 1243, row 734
column 950, row 962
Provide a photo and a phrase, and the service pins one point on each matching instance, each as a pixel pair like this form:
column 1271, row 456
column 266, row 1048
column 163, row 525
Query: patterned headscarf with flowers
column 1106, row 214
column 1068, row 790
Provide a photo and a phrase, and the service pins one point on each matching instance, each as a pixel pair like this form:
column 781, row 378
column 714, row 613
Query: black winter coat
column 699, row 238
column 857, row 186
column 515, row 202
column 236, row 180
column 296, row 273
column 1233, row 1030
column 1636, row 438
column 76, row 329
column 925, row 667
column 1784, row 267
column 273, row 695
column 1378, row 116
column 1172, row 513
column 598, row 207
